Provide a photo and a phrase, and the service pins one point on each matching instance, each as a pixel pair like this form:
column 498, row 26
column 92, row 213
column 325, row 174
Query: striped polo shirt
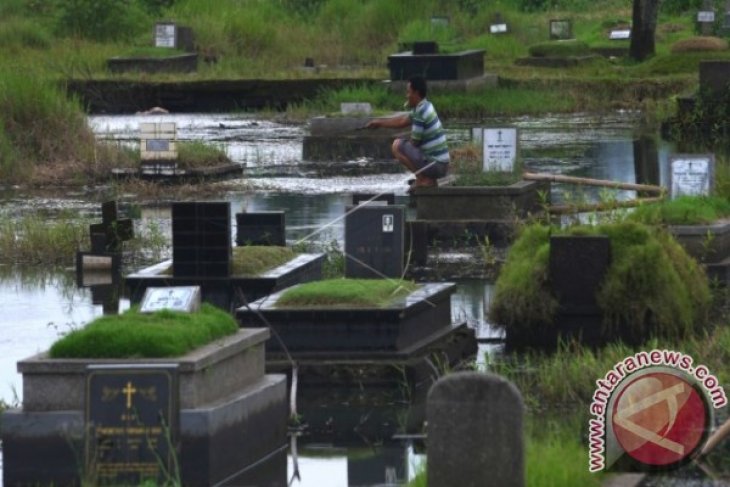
column 427, row 132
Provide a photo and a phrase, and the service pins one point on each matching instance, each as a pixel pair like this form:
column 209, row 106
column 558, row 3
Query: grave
column 167, row 35
column 342, row 137
column 560, row 29
column 447, row 213
column 373, row 199
column 202, row 254
column 457, row 71
column 577, row 266
column 713, row 86
column 498, row 25
column 710, row 245
column 475, row 432
column 261, row 228
column 691, row 175
column 706, row 18
column 374, row 241
column 103, row 283
column 231, row 416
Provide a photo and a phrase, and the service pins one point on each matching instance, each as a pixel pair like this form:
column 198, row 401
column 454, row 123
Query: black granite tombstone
column 108, row 235
column 201, row 239
column 131, row 418
column 425, row 47
column 577, row 267
column 374, row 241
column 381, row 198
column 261, row 228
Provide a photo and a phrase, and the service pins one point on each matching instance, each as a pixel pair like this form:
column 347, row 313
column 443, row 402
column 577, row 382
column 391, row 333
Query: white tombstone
column 498, row 28
column 165, row 34
column 620, row 34
column 691, row 174
column 707, row 16
column 158, row 141
column 178, row 298
column 499, row 149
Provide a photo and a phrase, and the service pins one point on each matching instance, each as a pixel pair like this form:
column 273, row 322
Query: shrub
column 687, row 210
column 102, row 20
column 695, row 44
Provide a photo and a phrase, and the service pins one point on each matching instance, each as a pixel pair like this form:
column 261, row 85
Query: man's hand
column 373, row 124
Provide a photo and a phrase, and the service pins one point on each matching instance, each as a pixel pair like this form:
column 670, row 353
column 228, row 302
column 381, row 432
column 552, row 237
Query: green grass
column 651, row 283
column 151, row 52
column 346, row 292
column 252, row 260
column 140, row 335
column 560, row 49
column 687, row 210
column 195, row 154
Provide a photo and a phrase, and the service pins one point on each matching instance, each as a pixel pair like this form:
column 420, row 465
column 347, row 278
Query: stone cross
column 475, row 435
column 108, row 235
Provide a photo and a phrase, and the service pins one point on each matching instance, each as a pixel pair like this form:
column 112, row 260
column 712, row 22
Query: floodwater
column 40, row 304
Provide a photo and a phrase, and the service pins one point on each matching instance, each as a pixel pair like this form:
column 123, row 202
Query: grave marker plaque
column 177, row 298
column 261, row 228
column 619, row 34
column 131, row 416
column 374, row 241
column 691, row 175
column 706, row 18
column 499, row 149
column 561, row 29
column 158, row 141
column 356, row 108
column 165, row 34
column 498, row 25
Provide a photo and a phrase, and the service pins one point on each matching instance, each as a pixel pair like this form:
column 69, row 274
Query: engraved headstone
column 619, row 34
column 131, row 417
column 706, row 18
column 158, row 141
column 374, row 237
column 691, row 174
column 177, row 298
column 165, row 34
column 499, row 149
column 475, row 432
column 439, row 21
column 498, row 25
column 561, row 29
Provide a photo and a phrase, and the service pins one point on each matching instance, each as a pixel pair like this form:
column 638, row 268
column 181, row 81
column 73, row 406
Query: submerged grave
column 203, row 255
column 343, row 137
column 99, row 419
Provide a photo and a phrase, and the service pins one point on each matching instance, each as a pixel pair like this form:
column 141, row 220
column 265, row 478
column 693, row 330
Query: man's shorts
column 415, row 155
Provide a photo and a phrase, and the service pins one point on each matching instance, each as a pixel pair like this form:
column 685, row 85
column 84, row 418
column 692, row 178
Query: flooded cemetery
column 361, row 374
column 230, row 283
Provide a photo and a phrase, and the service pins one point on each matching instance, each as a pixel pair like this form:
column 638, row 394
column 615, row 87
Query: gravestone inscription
column 475, row 432
column 374, row 241
column 691, row 175
column 177, row 298
column 165, row 34
column 499, row 149
column 131, row 417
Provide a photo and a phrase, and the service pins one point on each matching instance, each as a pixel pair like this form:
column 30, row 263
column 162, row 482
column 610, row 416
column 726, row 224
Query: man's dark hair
column 418, row 84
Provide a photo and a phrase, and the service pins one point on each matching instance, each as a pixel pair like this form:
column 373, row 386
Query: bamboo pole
column 608, row 205
column 559, row 178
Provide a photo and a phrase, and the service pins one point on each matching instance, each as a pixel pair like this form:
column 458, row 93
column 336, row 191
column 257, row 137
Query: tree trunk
column 643, row 27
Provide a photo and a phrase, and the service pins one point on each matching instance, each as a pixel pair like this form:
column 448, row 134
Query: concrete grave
column 158, row 142
column 261, row 228
column 173, row 36
column 132, row 423
column 179, row 63
column 373, row 199
column 342, row 138
column 691, row 175
column 561, row 29
column 710, row 245
column 475, row 432
column 374, row 241
column 231, row 417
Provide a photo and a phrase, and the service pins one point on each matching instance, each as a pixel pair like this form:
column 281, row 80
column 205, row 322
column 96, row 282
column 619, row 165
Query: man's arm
column 400, row 121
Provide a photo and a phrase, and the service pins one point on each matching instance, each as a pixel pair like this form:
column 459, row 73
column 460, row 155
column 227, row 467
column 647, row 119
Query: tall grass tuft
column 35, row 239
column 44, row 134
